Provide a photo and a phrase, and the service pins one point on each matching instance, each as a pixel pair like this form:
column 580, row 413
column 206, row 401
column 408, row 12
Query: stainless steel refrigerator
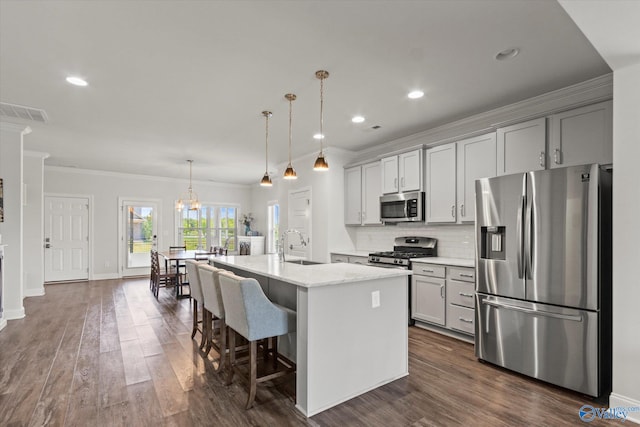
column 543, row 260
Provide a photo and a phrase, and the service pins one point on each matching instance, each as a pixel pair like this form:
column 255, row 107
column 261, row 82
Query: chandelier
column 190, row 199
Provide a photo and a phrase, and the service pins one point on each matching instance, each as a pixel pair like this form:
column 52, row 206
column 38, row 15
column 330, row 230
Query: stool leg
column 195, row 319
column 275, row 352
column 232, row 355
column 253, row 372
column 205, row 335
column 208, row 324
column 223, row 344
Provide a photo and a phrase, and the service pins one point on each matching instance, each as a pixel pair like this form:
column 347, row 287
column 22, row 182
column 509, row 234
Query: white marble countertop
column 352, row 252
column 456, row 262
column 307, row 276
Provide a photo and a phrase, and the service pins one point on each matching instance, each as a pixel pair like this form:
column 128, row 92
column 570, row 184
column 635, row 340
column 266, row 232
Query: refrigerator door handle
column 519, row 231
column 574, row 318
column 528, row 242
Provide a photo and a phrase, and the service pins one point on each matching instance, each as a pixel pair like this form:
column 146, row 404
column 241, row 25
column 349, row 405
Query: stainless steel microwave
column 402, row 207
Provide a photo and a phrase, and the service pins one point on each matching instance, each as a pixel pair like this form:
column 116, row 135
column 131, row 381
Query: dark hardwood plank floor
column 107, row 353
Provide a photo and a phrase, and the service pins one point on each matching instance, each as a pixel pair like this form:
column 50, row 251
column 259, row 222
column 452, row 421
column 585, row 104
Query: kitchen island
column 351, row 332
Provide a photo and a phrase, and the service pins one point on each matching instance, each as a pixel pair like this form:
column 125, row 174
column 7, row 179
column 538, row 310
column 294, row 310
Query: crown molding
column 588, row 92
column 40, row 154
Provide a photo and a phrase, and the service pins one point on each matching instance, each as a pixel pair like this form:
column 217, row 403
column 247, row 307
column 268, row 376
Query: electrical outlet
column 375, row 299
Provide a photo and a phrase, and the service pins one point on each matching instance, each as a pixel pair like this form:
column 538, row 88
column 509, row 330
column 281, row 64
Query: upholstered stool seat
column 196, row 295
column 213, row 311
column 250, row 313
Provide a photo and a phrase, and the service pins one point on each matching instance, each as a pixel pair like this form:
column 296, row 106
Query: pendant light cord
column 290, row 117
column 321, row 109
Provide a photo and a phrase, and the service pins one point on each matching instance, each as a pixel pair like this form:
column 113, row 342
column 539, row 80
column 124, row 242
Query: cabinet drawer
column 358, row 260
column 339, row 258
column 460, row 293
column 461, row 318
column 464, row 274
column 428, row 270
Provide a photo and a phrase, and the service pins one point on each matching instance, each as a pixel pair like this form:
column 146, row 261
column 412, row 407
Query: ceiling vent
column 21, row 112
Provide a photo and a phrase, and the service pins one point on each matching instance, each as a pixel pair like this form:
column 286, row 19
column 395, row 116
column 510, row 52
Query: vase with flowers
column 247, row 219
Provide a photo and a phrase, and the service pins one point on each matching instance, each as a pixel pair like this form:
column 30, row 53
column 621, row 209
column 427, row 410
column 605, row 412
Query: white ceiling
column 177, row 80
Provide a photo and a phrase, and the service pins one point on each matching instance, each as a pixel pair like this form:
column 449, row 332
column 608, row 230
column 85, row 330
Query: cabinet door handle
column 395, row 183
column 453, row 211
column 542, row 159
column 465, row 295
column 442, row 291
column 557, row 156
column 462, row 209
column 462, row 319
column 402, row 182
column 364, row 215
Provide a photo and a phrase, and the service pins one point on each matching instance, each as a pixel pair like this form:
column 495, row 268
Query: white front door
column 299, row 219
column 66, row 232
column 139, row 225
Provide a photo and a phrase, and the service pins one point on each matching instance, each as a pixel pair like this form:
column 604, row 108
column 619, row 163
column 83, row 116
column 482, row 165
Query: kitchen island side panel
column 351, row 347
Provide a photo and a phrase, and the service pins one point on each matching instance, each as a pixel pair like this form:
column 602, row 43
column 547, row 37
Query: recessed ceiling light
column 357, row 119
column 415, row 94
column 77, row 81
column 507, row 53
column 318, row 136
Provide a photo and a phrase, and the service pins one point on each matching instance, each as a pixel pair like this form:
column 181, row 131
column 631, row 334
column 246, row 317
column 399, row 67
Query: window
column 273, row 226
column 208, row 226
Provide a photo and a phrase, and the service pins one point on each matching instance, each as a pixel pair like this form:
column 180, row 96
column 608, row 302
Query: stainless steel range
column 404, row 249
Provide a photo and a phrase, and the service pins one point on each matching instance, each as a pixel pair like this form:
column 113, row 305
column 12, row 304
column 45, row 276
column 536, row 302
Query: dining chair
column 249, row 313
column 160, row 277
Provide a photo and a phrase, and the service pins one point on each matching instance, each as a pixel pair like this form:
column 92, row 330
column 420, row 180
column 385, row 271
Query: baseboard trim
column 14, row 314
column 38, row 292
column 617, row 401
column 3, row 323
column 105, row 276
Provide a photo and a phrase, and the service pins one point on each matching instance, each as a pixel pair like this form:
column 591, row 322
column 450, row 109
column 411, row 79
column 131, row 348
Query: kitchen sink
column 303, row 262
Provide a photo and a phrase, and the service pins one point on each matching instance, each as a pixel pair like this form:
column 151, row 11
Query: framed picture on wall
column 1, row 202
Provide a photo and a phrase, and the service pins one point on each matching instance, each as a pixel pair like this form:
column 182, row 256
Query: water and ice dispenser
column 492, row 242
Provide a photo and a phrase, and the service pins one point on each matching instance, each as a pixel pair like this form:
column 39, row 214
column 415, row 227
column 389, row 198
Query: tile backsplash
column 454, row 241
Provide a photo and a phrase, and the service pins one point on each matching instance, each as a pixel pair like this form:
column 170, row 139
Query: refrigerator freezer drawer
column 553, row 344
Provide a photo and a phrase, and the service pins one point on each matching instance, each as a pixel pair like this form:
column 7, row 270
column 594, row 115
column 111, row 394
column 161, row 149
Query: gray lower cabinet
column 460, row 299
column 444, row 296
column 427, row 293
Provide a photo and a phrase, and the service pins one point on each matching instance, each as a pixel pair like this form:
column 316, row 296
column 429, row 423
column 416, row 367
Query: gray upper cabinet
column 362, row 194
column 580, row 136
column 402, row 172
column 476, row 159
column 521, row 147
column 441, row 184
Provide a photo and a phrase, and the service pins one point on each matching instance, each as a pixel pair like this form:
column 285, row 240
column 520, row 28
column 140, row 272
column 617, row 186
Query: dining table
column 173, row 258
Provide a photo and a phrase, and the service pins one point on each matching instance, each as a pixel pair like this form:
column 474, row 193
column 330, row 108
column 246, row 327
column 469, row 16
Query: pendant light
column 266, row 179
column 290, row 173
column 191, row 200
column 321, row 164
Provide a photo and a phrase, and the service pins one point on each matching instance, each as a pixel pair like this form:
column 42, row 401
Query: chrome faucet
column 282, row 239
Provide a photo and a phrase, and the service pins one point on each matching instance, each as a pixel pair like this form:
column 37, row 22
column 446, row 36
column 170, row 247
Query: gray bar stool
column 249, row 313
column 197, row 296
column 213, row 310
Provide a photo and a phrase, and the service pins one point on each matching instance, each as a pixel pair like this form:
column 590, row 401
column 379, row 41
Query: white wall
column 626, row 235
column 11, row 147
column 33, row 250
column 105, row 189
column 327, row 192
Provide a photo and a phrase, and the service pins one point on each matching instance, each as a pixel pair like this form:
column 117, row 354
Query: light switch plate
column 375, row 299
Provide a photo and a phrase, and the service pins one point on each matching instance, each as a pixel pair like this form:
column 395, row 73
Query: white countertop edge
column 352, row 252
column 308, row 276
column 455, row 262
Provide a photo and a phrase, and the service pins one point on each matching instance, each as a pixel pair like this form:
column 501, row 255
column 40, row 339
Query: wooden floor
column 107, row 353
